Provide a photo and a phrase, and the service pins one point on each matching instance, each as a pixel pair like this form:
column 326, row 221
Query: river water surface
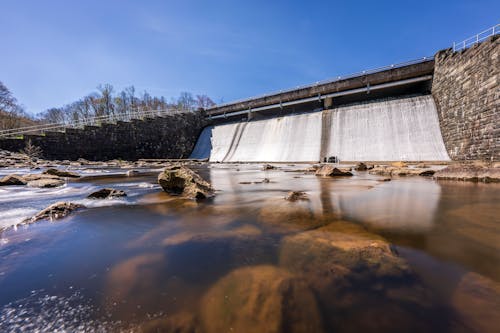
column 359, row 255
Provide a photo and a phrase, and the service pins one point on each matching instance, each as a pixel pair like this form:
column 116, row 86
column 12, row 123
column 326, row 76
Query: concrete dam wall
column 387, row 130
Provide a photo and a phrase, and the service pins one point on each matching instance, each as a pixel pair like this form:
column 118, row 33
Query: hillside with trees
column 105, row 102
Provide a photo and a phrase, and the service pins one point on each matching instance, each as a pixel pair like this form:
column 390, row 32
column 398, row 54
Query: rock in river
column 46, row 182
column 296, row 195
column 55, row 211
column 330, row 170
column 12, row 180
column 107, row 193
column 180, row 180
column 260, row 299
column 61, row 173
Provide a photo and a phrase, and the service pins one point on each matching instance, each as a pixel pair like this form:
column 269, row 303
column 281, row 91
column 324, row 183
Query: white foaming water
column 292, row 138
column 390, row 130
column 394, row 130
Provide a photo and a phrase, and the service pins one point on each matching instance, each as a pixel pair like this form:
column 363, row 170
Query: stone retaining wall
column 167, row 137
column 466, row 88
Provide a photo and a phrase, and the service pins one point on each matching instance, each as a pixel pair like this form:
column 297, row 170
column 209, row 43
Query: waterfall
column 393, row 130
column 384, row 130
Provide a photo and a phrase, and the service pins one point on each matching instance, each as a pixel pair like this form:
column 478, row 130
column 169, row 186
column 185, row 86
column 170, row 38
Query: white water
column 392, row 130
column 292, row 138
column 396, row 130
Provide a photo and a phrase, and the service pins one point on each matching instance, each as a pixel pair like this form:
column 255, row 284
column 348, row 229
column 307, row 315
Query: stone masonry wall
column 466, row 88
column 167, row 137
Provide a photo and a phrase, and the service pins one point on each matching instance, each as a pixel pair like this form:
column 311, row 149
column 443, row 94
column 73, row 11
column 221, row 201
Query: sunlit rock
column 331, row 171
column 180, row 180
column 46, row 183
column 12, row 180
column 61, row 173
column 55, row 211
column 260, row 299
column 478, row 171
column 107, row 193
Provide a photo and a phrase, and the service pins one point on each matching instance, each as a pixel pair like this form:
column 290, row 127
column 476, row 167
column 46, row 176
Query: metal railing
column 91, row 121
column 330, row 80
column 476, row 39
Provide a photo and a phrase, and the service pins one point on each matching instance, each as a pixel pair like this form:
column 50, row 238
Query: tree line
column 102, row 103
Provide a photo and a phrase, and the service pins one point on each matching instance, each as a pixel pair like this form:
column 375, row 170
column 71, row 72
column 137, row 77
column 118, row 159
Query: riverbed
column 358, row 254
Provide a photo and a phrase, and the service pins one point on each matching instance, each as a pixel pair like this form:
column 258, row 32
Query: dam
column 384, row 130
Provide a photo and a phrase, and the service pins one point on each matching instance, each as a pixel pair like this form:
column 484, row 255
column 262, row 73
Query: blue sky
column 54, row 52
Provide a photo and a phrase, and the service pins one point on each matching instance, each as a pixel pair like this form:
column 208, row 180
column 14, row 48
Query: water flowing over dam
column 384, row 130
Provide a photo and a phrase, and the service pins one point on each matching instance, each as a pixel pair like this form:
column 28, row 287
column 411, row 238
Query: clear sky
column 54, row 52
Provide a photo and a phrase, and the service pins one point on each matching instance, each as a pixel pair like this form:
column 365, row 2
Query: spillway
column 385, row 130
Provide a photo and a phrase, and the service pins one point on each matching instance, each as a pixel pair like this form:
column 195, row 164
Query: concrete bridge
column 413, row 77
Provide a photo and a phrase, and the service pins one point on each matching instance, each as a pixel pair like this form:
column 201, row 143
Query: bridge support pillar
column 327, row 103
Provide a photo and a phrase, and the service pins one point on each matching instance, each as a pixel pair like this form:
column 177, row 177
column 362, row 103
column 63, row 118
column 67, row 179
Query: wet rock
column 131, row 173
column 12, row 180
column 361, row 167
column 61, row 173
column 357, row 277
column 265, row 180
column 107, row 193
column 399, row 164
column 260, row 299
column 38, row 176
column 46, row 182
column 268, row 167
column 296, row 195
column 55, row 211
column 477, row 172
column 397, row 171
column 331, row 171
column 180, row 180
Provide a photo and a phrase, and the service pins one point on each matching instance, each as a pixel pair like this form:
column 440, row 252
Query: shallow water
column 361, row 254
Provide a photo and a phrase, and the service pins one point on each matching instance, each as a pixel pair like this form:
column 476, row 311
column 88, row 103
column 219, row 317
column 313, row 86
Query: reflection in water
column 359, row 255
column 404, row 206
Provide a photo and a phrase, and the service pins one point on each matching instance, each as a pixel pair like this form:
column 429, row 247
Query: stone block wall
column 165, row 137
column 466, row 89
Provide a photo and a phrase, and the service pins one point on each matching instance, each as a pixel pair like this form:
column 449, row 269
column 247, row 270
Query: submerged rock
column 183, row 322
column 61, row 173
column 107, row 193
column 180, row 180
column 55, row 211
column 331, row 171
column 12, row 180
column 296, row 195
column 358, row 278
column 483, row 172
column 260, row 299
column 46, row 182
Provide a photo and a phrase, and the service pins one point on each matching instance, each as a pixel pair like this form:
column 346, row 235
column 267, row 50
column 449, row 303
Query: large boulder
column 107, row 193
column 331, row 171
column 55, row 211
column 61, row 173
column 360, row 282
column 179, row 180
column 12, row 180
column 260, row 299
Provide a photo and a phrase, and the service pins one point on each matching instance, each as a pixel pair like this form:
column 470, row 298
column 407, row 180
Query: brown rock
column 331, row 171
column 361, row 167
column 61, row 173
column 399, row 164
column 296, row 195
column 46, row 183
column 12, row 180
column 268, row 167
column 483, row 172
column 55, row 211
column 260, row 299
column 179, row 180
column 107, row 193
